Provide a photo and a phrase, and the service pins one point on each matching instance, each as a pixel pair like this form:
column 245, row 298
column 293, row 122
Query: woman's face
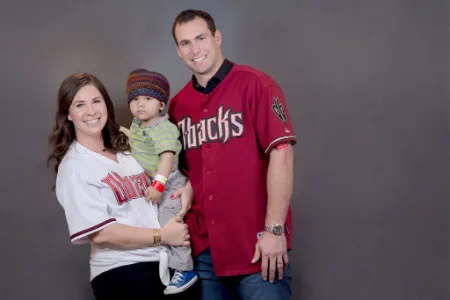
column 88, row 112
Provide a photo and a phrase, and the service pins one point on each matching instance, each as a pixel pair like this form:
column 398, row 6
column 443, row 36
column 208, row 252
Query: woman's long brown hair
column 63, row 133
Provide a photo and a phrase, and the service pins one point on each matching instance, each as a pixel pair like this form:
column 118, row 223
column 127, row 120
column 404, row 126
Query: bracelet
column 158, row 186
column 156, row 237
column 161, row 178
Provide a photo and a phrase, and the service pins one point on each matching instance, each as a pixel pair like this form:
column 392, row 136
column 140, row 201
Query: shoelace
column 177, row 277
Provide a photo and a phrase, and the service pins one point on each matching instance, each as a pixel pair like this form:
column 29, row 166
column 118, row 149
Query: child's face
column 145, row 108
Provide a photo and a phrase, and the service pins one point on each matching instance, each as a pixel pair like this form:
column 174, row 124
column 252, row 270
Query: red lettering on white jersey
column 127, row 188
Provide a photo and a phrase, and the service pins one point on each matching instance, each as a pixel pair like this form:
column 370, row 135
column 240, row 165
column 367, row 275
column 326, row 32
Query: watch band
column 275, row 229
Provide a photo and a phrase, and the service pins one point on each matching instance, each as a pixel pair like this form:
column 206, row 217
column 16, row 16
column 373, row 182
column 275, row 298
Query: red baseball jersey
column 227, row 131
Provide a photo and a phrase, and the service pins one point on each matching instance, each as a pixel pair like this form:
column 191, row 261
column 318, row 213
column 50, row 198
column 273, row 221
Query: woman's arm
column 121, row 236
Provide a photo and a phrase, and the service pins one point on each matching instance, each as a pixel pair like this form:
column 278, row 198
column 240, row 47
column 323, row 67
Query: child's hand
column 125, row 130
column 153, row 195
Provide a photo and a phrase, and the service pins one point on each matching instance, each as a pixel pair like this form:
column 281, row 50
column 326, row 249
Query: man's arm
column 279, row 185
column 271, row 249
column 273, row 128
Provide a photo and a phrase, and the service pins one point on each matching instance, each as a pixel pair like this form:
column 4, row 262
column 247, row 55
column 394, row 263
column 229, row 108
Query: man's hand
column 272, row 251
column 153, row 195
column 187, row 195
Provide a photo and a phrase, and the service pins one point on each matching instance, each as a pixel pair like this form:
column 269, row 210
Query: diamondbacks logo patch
column 278, row 110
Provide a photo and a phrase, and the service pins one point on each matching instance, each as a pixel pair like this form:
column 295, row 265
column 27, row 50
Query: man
column 237, row 138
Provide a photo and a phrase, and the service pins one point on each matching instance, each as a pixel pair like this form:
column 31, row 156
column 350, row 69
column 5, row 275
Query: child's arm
column 164, row 169
column 125, row 130
column 165, row 163
column 166, row 144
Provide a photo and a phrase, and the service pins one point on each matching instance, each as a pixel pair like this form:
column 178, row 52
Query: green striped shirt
column 147, row 143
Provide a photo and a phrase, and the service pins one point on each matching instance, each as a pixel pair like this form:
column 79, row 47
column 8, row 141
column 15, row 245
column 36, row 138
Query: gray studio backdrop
column 366, row 83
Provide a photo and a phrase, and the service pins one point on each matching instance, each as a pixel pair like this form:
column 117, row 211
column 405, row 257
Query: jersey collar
column 220, row 75
column 164, row 117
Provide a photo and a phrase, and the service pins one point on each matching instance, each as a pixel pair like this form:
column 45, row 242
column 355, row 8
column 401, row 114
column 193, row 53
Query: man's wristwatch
column 276, row 229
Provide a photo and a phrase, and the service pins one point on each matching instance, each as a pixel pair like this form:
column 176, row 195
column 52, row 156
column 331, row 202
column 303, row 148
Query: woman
column 102, row 190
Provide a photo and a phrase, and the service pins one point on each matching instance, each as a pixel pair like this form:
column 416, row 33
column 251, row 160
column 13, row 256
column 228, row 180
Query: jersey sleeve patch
column 278, row 110
column 273, row 124
column 290, row 139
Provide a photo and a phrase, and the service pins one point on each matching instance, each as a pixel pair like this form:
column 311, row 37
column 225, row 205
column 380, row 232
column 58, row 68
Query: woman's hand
column 175, row 233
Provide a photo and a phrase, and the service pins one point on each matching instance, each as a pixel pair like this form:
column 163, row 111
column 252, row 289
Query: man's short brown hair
column 189, row 15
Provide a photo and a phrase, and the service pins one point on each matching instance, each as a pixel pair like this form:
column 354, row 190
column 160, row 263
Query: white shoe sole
column 181, row 289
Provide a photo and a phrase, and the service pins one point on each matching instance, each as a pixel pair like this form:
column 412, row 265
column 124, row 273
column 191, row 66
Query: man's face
column 198, row 47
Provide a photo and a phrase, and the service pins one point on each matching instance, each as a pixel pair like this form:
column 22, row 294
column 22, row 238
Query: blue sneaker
column 181, row 281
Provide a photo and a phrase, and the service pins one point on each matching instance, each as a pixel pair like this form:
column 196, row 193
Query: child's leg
column 180, row 257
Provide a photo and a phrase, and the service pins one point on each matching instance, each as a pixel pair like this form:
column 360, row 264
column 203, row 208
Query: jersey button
column 212, row 222
column 205, row 110
column 210, row 197
column 208, row 172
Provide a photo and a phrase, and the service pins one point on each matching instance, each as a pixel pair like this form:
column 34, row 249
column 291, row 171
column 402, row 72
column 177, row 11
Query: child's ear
column 163, row 105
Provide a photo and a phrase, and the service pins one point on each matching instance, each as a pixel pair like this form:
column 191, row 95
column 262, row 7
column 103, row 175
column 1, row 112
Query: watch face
column 278, row 230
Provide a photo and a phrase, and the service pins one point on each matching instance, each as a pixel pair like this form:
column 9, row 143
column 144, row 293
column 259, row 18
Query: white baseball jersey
column 95, row 192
